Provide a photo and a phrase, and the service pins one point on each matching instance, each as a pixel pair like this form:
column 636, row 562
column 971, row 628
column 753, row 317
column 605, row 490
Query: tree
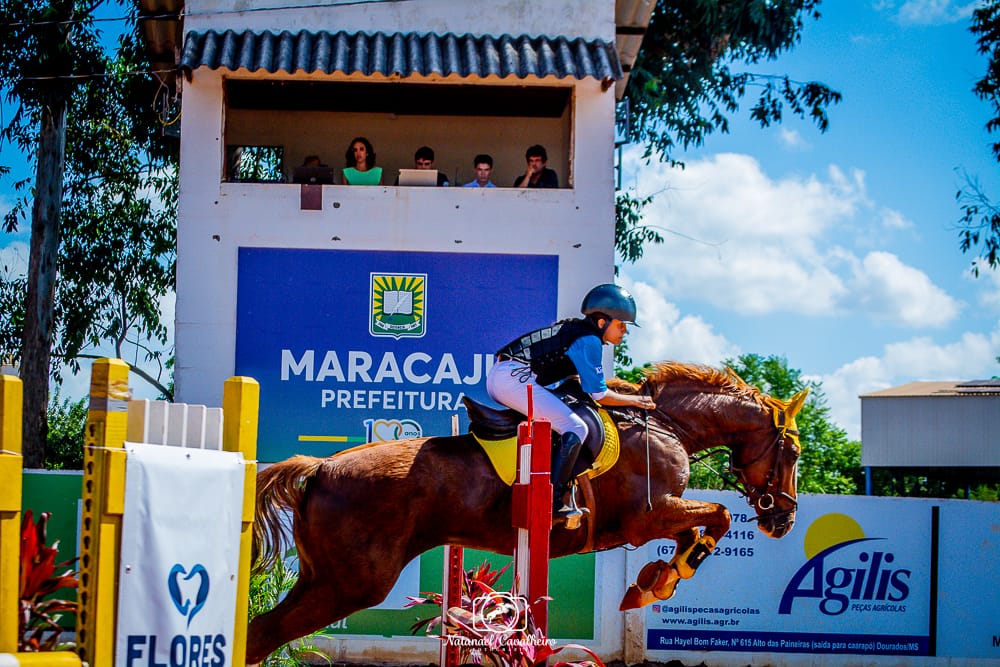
column 101, row 250
column 830, row 462
column 683, row 85
column 979, row 227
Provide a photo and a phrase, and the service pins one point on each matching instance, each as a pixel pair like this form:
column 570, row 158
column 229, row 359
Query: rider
column 548, row 356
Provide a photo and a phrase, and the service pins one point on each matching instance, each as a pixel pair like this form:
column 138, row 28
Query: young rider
column 548, row 356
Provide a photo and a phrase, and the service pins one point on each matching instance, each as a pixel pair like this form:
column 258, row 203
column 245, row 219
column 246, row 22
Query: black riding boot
column 563, row 459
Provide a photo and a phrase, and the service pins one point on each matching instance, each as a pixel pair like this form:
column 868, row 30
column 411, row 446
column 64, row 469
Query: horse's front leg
column 679, row 520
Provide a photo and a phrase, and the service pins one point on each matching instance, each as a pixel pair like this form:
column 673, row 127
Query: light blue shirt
column 475, row 184
column 587, row 355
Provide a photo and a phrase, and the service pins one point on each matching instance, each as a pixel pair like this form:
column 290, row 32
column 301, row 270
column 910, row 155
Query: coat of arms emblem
column 398, row 302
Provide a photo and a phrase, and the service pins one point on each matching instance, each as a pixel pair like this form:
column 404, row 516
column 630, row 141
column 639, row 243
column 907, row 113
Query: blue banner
column 786, row 642
column 358, row 346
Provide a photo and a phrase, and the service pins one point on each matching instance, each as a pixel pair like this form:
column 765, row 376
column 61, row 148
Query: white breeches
column 507, row 383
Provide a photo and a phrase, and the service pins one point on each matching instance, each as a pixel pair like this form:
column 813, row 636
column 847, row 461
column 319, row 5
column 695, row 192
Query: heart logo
column 384, row 430
column 182, row 602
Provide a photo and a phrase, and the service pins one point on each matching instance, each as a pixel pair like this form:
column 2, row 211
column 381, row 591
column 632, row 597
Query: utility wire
column 155, row 17
column 96, row 75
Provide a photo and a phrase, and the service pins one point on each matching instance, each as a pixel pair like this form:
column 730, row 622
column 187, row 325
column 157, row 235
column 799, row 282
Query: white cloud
column 893, row 219
column 789, row 249
column 971, row 357
column 930, row 12
column 793, row 139
column 990, row 294
column 665, row 334
column 893, row 291
column 745, row 242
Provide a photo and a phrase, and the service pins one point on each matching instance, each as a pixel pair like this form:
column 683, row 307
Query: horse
column 359, row 516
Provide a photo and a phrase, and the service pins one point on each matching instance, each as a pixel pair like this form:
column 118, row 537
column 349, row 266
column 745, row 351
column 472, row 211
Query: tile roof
column 402, row 54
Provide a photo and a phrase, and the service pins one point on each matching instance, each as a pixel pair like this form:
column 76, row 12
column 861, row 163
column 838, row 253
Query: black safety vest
column 544, row 350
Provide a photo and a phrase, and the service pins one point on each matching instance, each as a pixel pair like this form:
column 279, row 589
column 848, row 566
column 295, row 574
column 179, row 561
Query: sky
column 837, row 251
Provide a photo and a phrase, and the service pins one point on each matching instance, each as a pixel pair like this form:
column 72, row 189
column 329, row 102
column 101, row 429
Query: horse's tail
column 280, row 488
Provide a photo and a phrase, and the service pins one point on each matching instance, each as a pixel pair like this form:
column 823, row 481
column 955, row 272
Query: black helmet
column 610, row 300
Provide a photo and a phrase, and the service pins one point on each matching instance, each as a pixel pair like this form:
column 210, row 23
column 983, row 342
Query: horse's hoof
column 666, row 590
column 635, row 598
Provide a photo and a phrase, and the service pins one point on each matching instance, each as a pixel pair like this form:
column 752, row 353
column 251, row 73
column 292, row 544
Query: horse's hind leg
column 304, row 610
column 318, row 600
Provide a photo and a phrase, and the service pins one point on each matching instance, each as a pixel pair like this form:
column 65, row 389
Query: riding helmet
column 611, row 300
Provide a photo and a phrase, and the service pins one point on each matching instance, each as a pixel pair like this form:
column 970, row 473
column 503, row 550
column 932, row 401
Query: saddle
column 496, row 431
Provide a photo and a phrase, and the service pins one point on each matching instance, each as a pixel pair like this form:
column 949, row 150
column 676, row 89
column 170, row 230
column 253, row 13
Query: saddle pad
column 503, row 453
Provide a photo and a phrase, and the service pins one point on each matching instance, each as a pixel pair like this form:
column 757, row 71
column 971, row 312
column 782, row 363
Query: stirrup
column 570, row 514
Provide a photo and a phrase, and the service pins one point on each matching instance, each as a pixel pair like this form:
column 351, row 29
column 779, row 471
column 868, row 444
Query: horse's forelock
column 721, row 380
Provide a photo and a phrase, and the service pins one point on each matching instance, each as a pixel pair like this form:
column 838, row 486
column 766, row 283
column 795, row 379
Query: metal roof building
column 930, row 424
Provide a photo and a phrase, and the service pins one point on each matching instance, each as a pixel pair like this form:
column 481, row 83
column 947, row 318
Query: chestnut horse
column 360, row 516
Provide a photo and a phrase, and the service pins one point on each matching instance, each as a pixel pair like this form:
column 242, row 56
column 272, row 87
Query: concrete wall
column 591, row 19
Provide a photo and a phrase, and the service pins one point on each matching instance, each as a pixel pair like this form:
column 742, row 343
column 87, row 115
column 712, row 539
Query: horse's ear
column 796, row 402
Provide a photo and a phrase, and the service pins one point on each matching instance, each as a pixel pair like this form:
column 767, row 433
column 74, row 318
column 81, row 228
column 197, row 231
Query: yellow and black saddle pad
column 496, row 433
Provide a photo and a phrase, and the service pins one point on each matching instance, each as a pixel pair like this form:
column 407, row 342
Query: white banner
column 180, row 556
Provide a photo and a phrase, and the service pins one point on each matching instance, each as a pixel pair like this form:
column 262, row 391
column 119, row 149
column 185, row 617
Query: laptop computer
column 419, row 177
column 315, row 175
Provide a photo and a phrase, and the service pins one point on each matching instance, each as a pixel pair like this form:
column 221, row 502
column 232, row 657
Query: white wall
column 590, row 19
column 215, row 219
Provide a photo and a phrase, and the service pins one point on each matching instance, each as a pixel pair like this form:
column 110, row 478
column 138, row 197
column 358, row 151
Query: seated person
column 313, row 171
column 537, row 174
column 360, row 160
column 424, row 159
column 482, row 164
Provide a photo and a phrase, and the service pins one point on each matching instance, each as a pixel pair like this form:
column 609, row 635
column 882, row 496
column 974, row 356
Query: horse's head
column 768, row 468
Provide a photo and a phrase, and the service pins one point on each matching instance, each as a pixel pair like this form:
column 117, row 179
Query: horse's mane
column 724, row 381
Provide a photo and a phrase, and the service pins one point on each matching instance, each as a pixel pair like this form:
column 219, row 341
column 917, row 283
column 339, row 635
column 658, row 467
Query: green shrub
column 64, row 445
column 267, row 588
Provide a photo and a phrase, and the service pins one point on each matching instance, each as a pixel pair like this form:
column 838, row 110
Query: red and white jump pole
column 532, row 514
column 451, row 593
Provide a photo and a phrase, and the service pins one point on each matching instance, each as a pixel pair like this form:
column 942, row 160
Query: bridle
column 763, row 497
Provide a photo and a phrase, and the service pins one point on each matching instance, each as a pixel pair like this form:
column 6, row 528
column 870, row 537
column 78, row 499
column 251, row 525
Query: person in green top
column 360, row 160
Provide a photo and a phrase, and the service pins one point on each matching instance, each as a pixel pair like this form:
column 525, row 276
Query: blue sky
column 837, row 251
